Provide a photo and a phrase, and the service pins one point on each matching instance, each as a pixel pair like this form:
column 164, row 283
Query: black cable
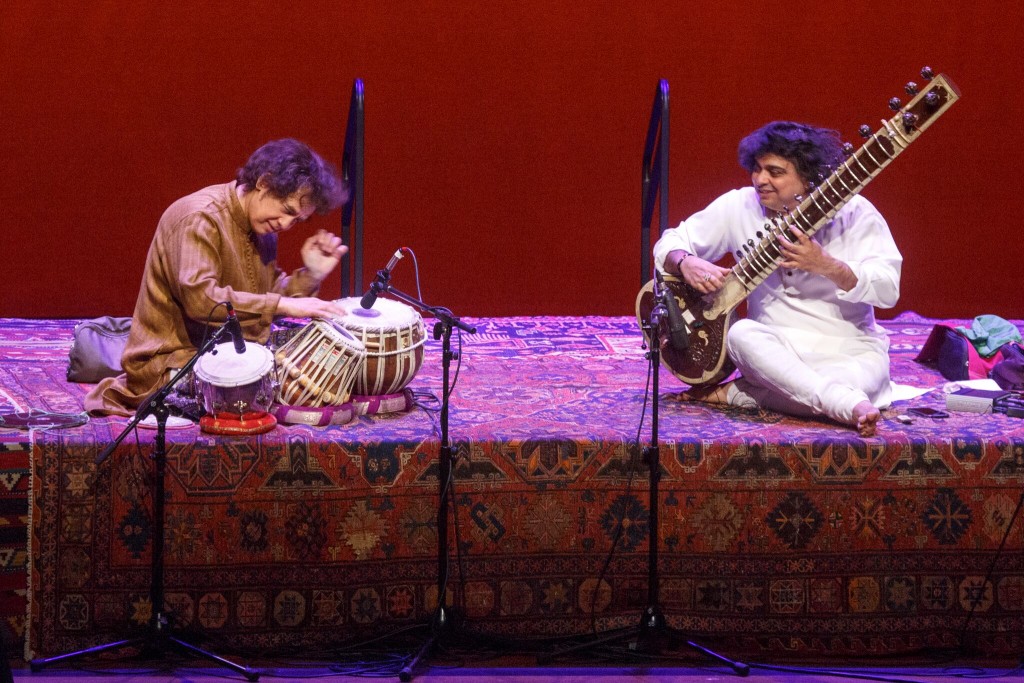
column 459, row 559
column 209, row 321
column 633, row 466
column 38, row 419
column 992, row 567
column 835, row 672
column 416, row 269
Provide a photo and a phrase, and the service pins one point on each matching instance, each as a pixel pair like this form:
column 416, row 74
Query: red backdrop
column 503, row 139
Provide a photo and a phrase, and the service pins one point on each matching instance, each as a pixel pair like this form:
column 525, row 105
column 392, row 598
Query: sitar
column 708, row 317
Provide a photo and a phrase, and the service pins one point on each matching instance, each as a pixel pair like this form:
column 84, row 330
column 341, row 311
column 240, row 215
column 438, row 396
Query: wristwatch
column 679, row 263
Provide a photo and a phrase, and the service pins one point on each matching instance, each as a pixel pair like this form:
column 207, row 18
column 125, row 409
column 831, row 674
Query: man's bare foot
column 866, row 417
column 717, row 393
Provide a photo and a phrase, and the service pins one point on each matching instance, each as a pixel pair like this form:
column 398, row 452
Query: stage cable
column 209, row 321
column 633, row 466
column 38, row 419
column 991, row 569
column 427, row 401
column 450, row 489
column 416, row 270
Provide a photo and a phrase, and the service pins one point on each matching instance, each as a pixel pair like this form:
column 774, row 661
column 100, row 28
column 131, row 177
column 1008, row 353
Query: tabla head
column 228, row 368
column 236, row 383
column 386, row 313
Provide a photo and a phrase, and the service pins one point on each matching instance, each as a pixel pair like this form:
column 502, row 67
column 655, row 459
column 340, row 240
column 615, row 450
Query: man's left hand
column 807, row 255
column 804, row 253
column 321, row 253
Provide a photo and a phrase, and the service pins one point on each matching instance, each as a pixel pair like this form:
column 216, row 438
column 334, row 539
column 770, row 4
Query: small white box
column 973, row 400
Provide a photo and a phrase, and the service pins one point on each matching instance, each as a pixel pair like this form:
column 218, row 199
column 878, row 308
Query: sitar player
column 809, row 344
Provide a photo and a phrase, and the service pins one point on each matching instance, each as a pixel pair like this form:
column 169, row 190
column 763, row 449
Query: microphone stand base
column 652, row 638
column 153, row 644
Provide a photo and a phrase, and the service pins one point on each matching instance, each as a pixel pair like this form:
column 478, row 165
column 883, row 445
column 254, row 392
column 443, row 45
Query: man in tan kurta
column 220, row 245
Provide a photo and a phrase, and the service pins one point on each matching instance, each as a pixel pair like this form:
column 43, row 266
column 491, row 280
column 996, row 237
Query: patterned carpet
column 778, row 535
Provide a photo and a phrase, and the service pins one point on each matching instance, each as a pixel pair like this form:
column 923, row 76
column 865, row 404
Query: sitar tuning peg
column 932, row 99
column 895, row 104
column 864, row 130
column 911, row 88
column 847, row 148
column 909, row 121
column 927, row 73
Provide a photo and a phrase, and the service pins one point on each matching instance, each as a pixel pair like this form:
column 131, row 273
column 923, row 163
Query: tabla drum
column 235, row 383
column 318, row 365
column 393, row 335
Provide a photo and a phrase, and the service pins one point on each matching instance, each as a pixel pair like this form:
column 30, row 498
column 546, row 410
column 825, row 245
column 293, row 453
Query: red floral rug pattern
column 777, row 534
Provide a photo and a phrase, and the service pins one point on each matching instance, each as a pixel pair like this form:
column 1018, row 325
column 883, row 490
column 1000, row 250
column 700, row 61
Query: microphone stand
column 441, row 622
column 159, row 634
column 653, row 628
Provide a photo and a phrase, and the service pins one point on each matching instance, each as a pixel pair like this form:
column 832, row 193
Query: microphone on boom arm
column 381, row 281
column 678, row 334
column 234, row 328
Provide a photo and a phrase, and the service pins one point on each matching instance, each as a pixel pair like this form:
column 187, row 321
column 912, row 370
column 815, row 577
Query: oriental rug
column 24, row 346
column 778, row 535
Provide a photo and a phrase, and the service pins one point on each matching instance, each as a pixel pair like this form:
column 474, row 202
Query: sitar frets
column 762, row 259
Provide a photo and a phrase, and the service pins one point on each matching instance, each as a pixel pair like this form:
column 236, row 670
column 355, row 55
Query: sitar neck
column 760, row 258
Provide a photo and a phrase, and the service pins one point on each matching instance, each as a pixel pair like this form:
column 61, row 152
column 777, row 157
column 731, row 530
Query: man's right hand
column 310, row 307
column 702, row 275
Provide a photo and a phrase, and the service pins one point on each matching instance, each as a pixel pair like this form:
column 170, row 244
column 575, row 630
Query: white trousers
column 778, row 376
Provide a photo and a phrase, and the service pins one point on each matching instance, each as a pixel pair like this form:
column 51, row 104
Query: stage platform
column 779, row 536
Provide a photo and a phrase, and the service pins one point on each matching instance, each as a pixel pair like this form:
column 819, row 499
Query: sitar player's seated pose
column 809, row 344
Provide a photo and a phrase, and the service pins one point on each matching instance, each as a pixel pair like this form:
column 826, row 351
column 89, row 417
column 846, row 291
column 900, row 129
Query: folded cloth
column 989, row 332
column 1009, row 372
column 315, row 417
column 954, row 356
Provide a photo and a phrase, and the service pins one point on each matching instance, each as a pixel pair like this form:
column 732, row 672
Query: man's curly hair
column 288, row 166
column 814, row 151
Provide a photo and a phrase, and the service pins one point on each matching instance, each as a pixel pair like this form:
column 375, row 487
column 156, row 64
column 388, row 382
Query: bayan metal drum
column 318, row 365
column 235, row 383
column 393, row 335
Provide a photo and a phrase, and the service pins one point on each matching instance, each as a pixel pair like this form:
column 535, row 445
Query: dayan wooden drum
column 393, row 335
column 235, row 383
column 318, row 365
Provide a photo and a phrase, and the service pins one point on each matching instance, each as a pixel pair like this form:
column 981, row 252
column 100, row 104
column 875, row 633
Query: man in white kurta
column 810, row 344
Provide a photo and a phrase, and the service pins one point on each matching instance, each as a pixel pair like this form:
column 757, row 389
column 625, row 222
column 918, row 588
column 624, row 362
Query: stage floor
column 497, row 672
column 778, row 534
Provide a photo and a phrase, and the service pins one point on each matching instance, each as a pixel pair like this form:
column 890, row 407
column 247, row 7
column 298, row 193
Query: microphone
column 379, row 282
column 677, row 332
column 234, row 329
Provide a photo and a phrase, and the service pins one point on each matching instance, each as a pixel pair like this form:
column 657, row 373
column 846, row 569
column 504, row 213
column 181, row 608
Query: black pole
column 653, row 629
column 441, row 620
column 445, row 473
column 653, row 618
column 654, row 176
column 352, row 172
column 159, row 635
column 446, row 321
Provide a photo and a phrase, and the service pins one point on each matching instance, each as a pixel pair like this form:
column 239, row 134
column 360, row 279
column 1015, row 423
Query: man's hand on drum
column 310, row 307
column 321, row 253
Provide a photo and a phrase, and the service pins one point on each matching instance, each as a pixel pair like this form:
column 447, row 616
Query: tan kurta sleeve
column 203, row 253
